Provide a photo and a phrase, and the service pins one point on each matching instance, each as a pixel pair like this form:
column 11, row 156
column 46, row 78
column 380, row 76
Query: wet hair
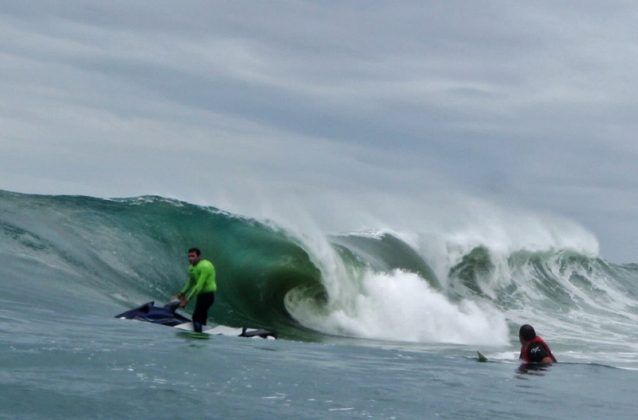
column 196, row 251
column 526, row 332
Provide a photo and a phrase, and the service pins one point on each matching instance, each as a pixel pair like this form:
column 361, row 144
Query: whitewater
column 376, row 324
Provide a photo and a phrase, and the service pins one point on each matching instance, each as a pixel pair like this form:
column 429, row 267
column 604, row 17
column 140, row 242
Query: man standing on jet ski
column 201, row 283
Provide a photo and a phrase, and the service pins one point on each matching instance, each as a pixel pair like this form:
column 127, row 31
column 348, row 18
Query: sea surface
column 371, row 325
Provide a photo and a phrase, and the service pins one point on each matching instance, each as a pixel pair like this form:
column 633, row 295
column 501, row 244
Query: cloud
column 525, row 105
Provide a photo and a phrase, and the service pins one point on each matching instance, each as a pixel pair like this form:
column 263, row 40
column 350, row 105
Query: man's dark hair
column 196, row 251
column 527, row 332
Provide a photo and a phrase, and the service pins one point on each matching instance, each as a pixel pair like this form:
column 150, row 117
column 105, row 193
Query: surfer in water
column 201, row 283
column 533, row 348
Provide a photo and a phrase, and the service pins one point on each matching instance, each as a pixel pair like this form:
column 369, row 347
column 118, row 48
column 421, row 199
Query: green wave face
column 135, row 249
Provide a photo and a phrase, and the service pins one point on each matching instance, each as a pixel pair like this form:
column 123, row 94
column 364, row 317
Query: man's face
column 192, row 257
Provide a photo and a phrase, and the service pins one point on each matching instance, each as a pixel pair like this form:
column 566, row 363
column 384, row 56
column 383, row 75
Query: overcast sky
column 528, row 105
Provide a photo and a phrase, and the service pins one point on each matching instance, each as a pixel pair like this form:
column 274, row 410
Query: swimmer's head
column 526, row 333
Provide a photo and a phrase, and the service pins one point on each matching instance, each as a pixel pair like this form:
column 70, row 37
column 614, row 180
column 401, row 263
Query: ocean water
column 371, row 325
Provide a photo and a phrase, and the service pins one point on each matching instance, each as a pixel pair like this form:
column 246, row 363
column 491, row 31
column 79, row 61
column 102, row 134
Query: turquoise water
column 371, row 327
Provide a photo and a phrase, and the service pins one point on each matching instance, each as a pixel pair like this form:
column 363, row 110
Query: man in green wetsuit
column 202, row 284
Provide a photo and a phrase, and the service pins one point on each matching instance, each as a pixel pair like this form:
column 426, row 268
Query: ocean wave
column 357, row 285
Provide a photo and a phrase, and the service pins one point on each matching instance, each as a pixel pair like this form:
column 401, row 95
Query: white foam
column 402, row 306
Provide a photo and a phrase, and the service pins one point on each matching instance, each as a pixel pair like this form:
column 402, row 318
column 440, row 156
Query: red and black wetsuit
column 535, row 351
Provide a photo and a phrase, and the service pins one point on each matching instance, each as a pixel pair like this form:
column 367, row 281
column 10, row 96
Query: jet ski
column 167, row 315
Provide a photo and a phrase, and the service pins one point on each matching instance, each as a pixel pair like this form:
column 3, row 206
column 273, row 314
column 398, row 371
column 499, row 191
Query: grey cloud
column 530, row 104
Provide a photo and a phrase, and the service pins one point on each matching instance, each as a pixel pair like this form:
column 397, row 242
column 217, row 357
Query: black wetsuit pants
column 202, row 305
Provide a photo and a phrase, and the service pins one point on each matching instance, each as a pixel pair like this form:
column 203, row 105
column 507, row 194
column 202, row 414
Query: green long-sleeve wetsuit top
column 201, row 279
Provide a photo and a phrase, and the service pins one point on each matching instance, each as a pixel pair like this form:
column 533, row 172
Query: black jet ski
column 167, row 315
